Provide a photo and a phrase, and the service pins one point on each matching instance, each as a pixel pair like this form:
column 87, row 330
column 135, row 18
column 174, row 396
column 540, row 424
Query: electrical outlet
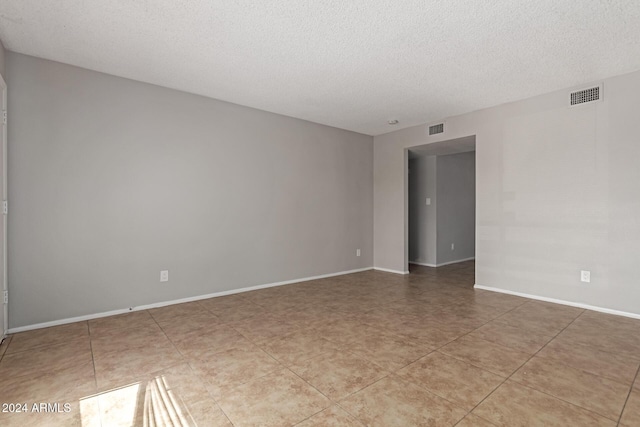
column 428, row 201
column 453, row 247
column 164, row 276
column 585, row 276
column 357, row 252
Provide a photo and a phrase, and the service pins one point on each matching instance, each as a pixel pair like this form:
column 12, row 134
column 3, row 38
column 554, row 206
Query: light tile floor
column 370, row 348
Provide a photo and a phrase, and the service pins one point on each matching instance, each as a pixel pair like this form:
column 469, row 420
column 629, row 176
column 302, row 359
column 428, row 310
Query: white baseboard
column 176, row 301
column 388, row 270
column 444, row 263
column 425, row 264
column 559, row 301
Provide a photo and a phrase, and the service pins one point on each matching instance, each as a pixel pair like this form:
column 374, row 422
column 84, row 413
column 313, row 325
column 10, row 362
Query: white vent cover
column 435, row 129
column 585, row 95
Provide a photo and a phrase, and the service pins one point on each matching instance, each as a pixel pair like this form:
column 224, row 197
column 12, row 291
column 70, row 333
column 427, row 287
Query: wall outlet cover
column 164, row 276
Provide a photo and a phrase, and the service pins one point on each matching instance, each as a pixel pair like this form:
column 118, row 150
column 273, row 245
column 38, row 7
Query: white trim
column 423, row 264
column 388, row 270
column 456, row 261
column 444, row 263
column 559, row 301
column 176, row 301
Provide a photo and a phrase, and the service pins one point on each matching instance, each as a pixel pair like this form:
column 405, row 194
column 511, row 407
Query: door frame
column 5, row 286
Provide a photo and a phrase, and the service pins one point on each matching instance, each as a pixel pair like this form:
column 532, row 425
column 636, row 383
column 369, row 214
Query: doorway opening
column 441, row 203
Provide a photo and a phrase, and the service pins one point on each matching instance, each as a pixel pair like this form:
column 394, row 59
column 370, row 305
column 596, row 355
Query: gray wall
column 456, row 206
column 3, row 326
column 113, row 180
column 2, row 60
column 422, row 218
column 557, row 192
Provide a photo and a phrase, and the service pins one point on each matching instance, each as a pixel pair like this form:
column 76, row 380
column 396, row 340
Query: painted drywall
column 456, row 189
column 2, row 60
column 3, row 326
column 422, row 217
column 113, row 180
column 557, row 192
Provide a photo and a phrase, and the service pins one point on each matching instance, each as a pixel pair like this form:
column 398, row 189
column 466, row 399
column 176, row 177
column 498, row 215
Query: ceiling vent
column 586, row 95
column 436, row 129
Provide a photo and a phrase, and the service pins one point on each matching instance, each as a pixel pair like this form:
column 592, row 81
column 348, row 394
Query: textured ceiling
column 350, row 64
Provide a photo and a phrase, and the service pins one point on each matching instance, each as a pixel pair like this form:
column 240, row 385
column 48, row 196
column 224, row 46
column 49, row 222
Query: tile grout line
column 187, row 361
column 464, row 335
column 628, row 395
column 191, row 368
column 8, row 339
column 95, row 376
column 544, row 392
column 525, row 362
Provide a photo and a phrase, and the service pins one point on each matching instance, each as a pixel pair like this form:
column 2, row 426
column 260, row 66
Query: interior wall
column 3, row 326
column 557, row 192
column 422, row 217
column 2, row 60
column 456, row 206
column 113, row 180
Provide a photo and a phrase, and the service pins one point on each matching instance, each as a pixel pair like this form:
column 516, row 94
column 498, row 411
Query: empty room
column 285, row 213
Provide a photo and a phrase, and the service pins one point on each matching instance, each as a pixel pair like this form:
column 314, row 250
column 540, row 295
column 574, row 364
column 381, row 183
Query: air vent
column 435, row 129
column 586, row 95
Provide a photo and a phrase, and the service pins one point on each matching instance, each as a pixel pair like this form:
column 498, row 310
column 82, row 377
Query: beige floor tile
column 541, row 317
column 452, row 379
column 228, row 369
column 48, row 359
column 67, row 386
column 495, row 299
column 343, row 331
column 605, row 338
column 121, row 321
column 425, row 332
column 77, row 414
column 388, row 350
column 63, row 386
column 174, row 396
column 394, row 402
column 592, row 392
column 225, row 301
column 512, row 337
column 174, row 329
column 631, row 414
column 39, row 338
column 338, row 374
column 331, row 417
column 202, row 343
column 474, row 421
column 233, row 311
column 208, row 413
column 278, row 399
column 114, row 340
column 175, row 311
column 123, row 367
column 484, row 354
column 4, row 345
column 613, row 323
column 298, row 347
column 264, row 327
column 589, row 359
column 514, row 405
